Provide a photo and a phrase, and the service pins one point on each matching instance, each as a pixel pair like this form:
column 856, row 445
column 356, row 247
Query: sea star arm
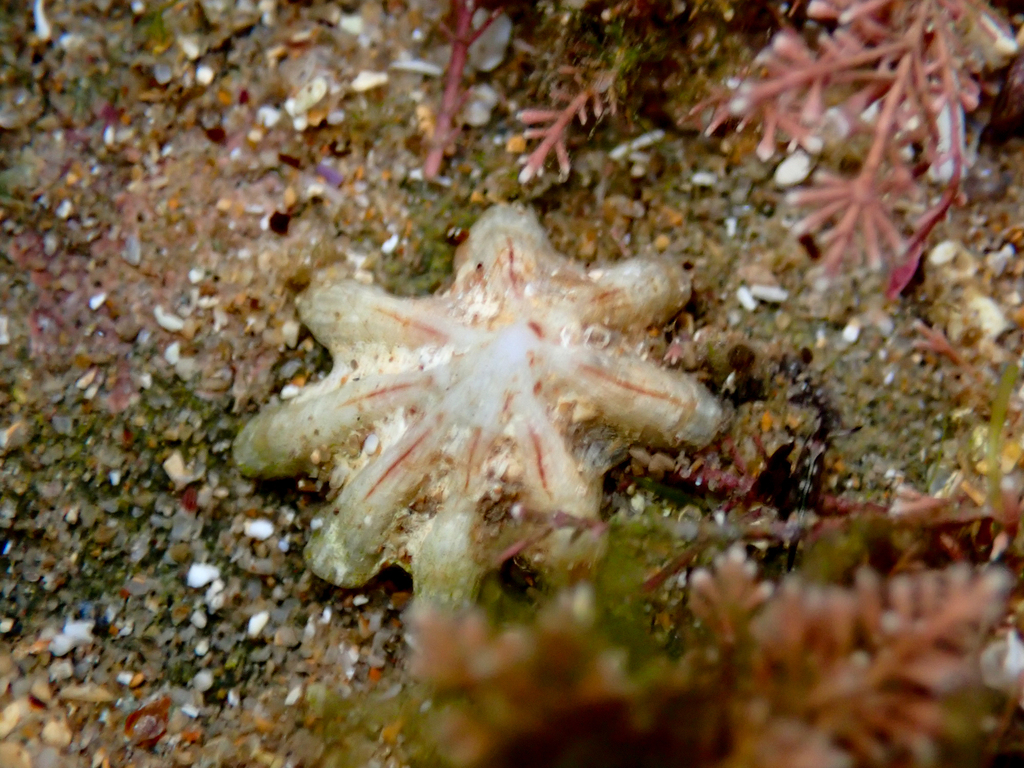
column 630, row 295
column 447, row 567
column 281, row 440
column 342, row 314
column 347, row 549
column 552, row 478
column 639, row 399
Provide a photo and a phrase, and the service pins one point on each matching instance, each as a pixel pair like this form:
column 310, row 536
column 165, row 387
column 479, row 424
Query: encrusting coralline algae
column 481, row 418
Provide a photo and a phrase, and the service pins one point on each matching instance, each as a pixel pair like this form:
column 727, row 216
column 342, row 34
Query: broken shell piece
column 488, row 50
column 793, row 170
column 366, row 81
column 988, row 315
column 482, row 101
column 307, row 97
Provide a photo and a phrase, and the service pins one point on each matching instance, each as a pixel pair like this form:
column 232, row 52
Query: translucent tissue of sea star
column 481, row 418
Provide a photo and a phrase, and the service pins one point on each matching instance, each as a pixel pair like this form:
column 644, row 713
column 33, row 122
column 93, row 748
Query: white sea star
column 493, row 406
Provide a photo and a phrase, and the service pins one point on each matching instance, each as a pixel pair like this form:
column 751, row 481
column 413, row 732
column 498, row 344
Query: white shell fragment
column 43, row 29
column 74, row 634
column 257, row 623
column 482, row 101
column 174, row 466
column 987, row 313
column 167, row 320
column 201, row 574
column 643, row 141
column 307, row 96
column 514, row 388
column 488, row 50
column 260, row 529
column 417, row 66
column 366, row 81
column 772, row 294
column 746, row 298
column 793, row 170
column 944, row 252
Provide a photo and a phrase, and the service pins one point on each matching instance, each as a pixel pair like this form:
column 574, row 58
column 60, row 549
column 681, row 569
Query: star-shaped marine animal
column 480, row 421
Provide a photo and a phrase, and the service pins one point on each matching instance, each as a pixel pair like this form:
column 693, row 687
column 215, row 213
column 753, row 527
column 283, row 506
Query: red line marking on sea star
column 472, row 456
column 538, row 453
column 395, row 463
column 629, row 385
column 379, row 393
column 408, row 322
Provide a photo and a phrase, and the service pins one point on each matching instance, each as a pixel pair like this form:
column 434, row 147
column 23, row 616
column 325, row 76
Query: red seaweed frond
column 899, row 73
column 595, row 100
column 812, row 675
column 462, row 37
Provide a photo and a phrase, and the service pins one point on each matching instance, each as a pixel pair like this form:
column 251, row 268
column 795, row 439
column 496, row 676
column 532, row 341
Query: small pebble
column 204, row 74
column 95, row 302
column 190, row 46
column 203, row 681
column 267, row 116
column 851, row 332
column 56, row 734
column 703, row 179
column 352, row 23
column 162, row 74
column 290, row 333
column 60, row 671
column 132, row 250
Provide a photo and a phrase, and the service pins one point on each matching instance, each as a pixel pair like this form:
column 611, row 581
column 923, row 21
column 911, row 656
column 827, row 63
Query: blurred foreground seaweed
column 884, row 672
